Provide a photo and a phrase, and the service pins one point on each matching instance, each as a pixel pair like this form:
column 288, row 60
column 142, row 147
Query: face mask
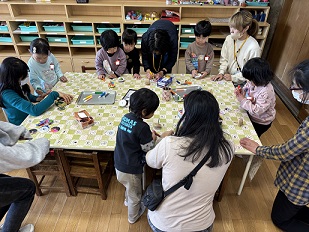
column 110, row 54
column 236, row 35
column 296, row 95
column 25, row 81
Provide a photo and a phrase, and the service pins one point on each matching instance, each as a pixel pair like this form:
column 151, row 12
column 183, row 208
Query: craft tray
column 109, row 100
column 184, row 91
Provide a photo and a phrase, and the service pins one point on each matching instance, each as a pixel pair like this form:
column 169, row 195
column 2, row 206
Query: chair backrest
column 84, row 68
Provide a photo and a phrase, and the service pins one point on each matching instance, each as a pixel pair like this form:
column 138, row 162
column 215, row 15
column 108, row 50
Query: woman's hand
column 204, row 74
column 42, row 96
column 249, row 144
column 159, row 75
column 66, row 97
column 149, row 74
column 112, row 76
column 63, row 79
column 227, row 77
column 217, row 77
column 137, row 76
column 167, row 133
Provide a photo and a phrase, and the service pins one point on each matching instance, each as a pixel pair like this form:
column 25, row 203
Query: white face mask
column 296, row 95
column 236, row 35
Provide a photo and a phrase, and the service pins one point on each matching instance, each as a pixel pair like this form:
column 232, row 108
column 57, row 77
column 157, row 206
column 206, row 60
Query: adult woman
column 198, row 134
column 159, row 48
column 289, row 210
column 238, row 47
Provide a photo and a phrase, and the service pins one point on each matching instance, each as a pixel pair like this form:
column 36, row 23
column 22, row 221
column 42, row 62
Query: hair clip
column 34, row 50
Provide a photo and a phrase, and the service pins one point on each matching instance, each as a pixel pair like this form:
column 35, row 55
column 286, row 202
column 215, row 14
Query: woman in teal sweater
column 17, row 100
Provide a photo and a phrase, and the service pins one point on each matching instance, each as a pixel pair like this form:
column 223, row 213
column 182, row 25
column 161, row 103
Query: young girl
column 199, row 54
column 110, row 60
column 258, row 96
column 44, row 68
column 17, row 104
column 134, row 139
column 198, row 134
column 239, row 47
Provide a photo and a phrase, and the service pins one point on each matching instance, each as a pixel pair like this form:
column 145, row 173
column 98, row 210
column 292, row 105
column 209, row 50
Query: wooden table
column 102, row 135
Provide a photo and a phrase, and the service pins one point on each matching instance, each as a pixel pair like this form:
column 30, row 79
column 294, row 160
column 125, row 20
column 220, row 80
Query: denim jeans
column 155, row 229
column 133, row 194
column 16, row 196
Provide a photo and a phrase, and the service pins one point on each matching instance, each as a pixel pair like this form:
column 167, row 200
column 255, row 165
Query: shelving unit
column 106, row 14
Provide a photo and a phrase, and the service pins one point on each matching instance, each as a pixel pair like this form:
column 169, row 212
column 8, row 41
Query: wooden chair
column 84, row 68
column 82, row 165
column 50, row 166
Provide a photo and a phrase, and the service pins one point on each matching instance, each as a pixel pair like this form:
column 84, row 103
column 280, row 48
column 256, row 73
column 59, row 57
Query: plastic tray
column 82, row 40
column 257, row 3
column 183, row 91
column 28, row 28
column 115, row 29
column 96, row 99
column 54, row 28
column 187, row 30
column 4, row 28
column 6, row 39
column 57, row 39
column 139, row 30
column 84, row 28
column 184, row 42
column 28, row 38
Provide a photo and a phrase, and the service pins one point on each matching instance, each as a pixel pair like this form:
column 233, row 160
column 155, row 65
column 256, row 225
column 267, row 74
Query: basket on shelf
column 82, row 1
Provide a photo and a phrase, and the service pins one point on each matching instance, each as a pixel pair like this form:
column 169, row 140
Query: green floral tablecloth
column 102, row 135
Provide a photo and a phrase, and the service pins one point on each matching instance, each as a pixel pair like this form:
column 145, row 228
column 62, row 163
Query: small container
column 166, row 94
column 168, row 2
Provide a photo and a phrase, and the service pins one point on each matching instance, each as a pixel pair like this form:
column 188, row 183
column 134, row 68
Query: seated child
column 199, row 55
column 134, row 138
column 44, row 68
column 15, row 100
column 110, row 61
column 258, row 96
column 129, row 40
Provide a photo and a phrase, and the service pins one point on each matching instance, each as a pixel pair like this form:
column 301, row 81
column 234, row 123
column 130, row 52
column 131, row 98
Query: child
column 110, row 61
column 258, row 96
column 44, row 68
column 199, row 54
column 17, row 104
column 134, row 139
column 129, row 40
column 239, row 47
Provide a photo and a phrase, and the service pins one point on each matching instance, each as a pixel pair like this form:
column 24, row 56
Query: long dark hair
column 200, row 122
column 11, row 71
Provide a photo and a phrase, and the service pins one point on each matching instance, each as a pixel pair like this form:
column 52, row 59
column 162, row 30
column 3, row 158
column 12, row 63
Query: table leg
column 244, row 177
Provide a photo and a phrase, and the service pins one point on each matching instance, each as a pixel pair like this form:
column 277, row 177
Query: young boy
column 110, row 60
column 129, row 40
column 199, row 55
column 134, row 138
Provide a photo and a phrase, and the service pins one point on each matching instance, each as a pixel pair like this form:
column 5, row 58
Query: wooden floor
column 248, row 212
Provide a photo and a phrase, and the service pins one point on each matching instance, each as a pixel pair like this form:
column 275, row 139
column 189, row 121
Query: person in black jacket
column 159, row 48
column 129, row 40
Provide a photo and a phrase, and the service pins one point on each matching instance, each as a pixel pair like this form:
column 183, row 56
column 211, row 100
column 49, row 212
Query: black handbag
column 155, row 194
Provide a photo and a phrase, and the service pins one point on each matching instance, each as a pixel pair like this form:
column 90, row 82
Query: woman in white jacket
column 17, row 194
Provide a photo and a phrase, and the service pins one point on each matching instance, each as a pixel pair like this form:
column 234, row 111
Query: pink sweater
column 262, row 109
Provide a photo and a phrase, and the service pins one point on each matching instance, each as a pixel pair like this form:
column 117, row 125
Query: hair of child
column 200, row 122
column 144, row 99
column 12, row 70
column 203, row 28
column 109, row 39
column 159, row 41
column 129, row 36
column 242, row 19
column 300, row 76
column 39, row 46
column 258, row 71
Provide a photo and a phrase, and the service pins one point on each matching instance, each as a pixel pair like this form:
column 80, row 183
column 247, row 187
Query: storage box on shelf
column 64, row 22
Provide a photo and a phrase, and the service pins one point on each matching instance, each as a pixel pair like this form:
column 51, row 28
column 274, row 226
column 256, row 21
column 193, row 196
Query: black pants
column 289, row 217
column 260, row 129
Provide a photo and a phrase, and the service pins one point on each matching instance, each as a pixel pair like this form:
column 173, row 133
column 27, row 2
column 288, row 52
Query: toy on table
column 84, row 118
column 88, row 98
column 240, row 122
column 147, row 82
column 60, row 103
column 165, row 81
column 111, row 84
column 157, row 125
column 121, row 79
column 45, row 122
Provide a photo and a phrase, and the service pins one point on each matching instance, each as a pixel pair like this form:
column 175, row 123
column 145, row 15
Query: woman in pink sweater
column 258, row 96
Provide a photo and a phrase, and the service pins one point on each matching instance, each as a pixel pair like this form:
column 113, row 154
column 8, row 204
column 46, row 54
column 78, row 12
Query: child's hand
column 194, row 73
column 137, row 76
column 63, row 79
column 66, row 97
column 39, row 91
column 167, row 133
column 159, row 75
column 227, row 77
column 217, row 77
column 112, row 76
column 101, row 77
column 204, row 74
column 239, row 93
column 42, row 96
column 154, row 135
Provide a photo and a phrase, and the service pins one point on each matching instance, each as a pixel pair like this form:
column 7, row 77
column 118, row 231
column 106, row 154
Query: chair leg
column 32, row 177
column 99, row 175
column 63, row 176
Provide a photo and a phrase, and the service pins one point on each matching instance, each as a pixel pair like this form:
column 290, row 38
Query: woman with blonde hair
column 238, row 47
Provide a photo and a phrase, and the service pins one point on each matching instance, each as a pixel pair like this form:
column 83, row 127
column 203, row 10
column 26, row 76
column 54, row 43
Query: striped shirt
column 293, row 174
